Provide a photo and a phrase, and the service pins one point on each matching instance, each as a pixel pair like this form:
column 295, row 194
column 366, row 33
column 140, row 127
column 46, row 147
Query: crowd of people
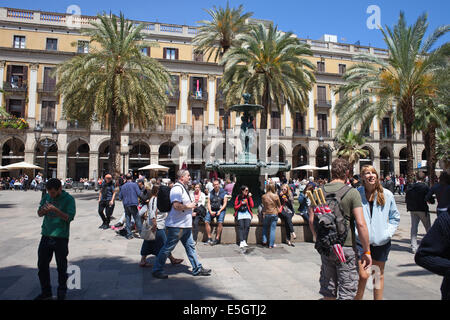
column 161, row 213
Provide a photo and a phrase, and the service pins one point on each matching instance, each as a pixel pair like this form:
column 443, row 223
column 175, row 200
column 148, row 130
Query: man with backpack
column 340, row 279
column 179, row 228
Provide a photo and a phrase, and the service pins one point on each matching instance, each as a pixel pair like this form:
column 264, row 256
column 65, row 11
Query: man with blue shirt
column 217, row 206
column 179, row 228
column 129, row 194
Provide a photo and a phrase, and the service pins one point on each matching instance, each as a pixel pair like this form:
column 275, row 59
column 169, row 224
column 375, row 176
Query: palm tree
column 443, row 147
column 350, row 148
column 400, row 79
column 271, row 66
column 115, row 83
column 219, row 34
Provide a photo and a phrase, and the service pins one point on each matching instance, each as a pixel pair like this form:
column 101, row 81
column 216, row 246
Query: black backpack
column 163, row 198
column 332, row 228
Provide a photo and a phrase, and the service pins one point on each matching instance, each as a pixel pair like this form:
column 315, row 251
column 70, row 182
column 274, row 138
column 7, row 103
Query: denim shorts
column 378, row 253
column 220, row 218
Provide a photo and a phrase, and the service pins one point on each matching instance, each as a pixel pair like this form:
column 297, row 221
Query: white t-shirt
column 179, row 219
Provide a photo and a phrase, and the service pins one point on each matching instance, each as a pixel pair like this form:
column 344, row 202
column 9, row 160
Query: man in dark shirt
column 417, row 207
column 106, row 199
column 389, row 184
column 217, row 206
column 434, row 252
column 58, row 209
column 442, row 192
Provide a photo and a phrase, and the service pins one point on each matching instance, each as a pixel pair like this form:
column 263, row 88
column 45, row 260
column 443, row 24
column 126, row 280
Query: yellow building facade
column 33, row 43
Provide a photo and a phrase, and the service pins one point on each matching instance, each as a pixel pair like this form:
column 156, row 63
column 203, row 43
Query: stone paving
column 109, row 263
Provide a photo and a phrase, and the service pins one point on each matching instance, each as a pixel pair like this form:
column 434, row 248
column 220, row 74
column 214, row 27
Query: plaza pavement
column 109, row 263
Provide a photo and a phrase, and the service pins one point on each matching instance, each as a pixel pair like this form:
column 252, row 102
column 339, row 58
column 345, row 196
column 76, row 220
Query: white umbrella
column 22, row 165
column 155, row 167
column 323, row 168
column 3, row 169
column 306, row 167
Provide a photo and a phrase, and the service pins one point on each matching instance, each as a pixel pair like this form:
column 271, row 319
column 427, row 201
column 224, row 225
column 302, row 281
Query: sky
column 348, row 19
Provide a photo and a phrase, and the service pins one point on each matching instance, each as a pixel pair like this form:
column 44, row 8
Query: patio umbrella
column 307, row 168
column 155, row 167
column 323, row 168
column 3, row 169
column 22, row 165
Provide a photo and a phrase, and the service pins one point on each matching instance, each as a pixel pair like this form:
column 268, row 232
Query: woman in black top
column 287, row 212
column 106, row 199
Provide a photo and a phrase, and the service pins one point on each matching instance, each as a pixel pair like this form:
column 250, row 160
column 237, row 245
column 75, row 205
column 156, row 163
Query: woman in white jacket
column 382, row 219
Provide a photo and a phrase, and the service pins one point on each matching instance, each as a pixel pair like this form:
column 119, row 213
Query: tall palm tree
column 116, row 82
column 271, row 66
column 400, row 79
column 350, row 148
column 219, row 34
column 443, row 147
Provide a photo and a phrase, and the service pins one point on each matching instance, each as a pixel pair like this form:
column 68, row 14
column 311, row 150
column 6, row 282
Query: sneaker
column 101, row 227
column 118, row 225
column 203, row 272
column 44, row 296
column 245, row 244
column 160, row 275
column 210, row 241
column 241, row 245
column 215, row 242
column 105, row 227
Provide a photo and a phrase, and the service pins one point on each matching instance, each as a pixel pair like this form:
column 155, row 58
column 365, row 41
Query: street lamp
column 329, row 150
column 47, row 144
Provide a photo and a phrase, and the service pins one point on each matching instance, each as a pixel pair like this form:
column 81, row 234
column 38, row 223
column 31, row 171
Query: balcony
column 76, row 125
column 175, row 94
column 46, row 87
column 198, row 95
column 387, row 136
column 324, row 134
column 302, row 133
column 368, row 135
column 322, row 103
column 19, row 87
column 48, row 124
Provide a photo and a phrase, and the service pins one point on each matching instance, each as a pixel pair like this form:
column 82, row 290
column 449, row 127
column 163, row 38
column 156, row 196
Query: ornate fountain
column 248, row 169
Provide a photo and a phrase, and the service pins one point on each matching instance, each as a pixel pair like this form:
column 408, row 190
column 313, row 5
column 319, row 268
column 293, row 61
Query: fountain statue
column 248, row 168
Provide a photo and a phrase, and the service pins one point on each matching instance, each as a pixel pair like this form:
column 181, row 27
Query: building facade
column 196, row 124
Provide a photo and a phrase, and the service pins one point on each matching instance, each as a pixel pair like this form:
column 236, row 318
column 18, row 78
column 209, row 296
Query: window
column 299, row 124
column 145, row 51
column 170, row 54
column 17, row 76
column 19, row 42
column 198, row 87
column 275, row 120
column 83, row 46
column 48, row 113
column 49, row 79
column 322, row 93
column 322, row 125
column 321, row 66
column 386, row 127
column 170, row 119
column 198, row 56
column 197, row 119
column 52, row 44
column 342, row 68
column 16, row 107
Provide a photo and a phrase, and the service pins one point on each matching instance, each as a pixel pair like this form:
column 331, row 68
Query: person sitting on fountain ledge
column 217, row 205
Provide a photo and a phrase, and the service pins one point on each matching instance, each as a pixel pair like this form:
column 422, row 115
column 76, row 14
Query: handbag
column 146, row 231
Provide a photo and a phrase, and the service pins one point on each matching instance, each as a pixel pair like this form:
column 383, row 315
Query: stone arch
column 78, row 151
column 367, row 160
column 386, row 161
column 280, row 157
column 13, row 151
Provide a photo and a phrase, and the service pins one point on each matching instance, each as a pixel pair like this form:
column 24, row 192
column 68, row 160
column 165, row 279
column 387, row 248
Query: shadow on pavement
column 414, row 273
column 7, row 205
column 112, row 278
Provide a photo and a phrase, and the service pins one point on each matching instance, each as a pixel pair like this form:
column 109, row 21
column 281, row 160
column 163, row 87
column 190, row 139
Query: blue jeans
column 270, row 220
column 173, row 236
column 132, row 211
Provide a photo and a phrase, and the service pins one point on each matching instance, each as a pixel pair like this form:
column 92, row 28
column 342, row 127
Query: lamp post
column 329, row 149
column 47, row 144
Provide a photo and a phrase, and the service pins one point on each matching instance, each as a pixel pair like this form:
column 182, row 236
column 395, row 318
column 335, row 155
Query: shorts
column 220, row 218
column 339, row 280
column 378, row 253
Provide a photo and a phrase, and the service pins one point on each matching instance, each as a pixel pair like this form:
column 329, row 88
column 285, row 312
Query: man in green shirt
column 339, row 279
column 58, row 209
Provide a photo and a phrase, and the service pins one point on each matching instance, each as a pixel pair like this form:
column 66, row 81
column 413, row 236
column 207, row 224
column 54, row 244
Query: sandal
column 145, row 265
column 176, row 261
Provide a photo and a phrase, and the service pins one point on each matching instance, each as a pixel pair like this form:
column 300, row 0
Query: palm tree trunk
column 114, row 146
column 265, row 102
column 408, row 117
column 430, row 145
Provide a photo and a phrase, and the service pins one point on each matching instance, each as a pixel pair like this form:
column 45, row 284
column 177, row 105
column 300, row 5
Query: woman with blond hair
column 271, row 209
column 382, row 219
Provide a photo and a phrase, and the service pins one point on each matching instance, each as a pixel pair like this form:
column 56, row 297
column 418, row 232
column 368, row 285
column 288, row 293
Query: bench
column 230, row 230
column 78, row 186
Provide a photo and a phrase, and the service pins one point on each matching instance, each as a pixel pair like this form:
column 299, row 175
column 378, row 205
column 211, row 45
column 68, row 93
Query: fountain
column 248, row 168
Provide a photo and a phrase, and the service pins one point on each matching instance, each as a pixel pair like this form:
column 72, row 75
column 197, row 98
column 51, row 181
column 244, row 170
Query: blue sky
column 308, row 19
